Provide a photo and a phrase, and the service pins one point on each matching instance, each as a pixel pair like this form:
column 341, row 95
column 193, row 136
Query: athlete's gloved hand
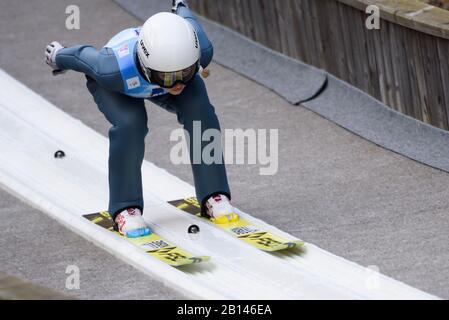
column 50, row 57
column 204, row 72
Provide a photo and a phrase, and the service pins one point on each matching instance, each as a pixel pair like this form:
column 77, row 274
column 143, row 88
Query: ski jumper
column 119, row 91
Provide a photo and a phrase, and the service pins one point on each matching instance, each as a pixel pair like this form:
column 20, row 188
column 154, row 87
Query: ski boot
column 130, row 223
column 220, row 210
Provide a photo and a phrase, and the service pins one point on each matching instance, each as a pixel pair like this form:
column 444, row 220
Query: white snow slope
column 32, row 129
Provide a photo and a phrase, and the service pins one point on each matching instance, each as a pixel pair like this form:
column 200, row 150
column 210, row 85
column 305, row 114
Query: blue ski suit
column 119, row 90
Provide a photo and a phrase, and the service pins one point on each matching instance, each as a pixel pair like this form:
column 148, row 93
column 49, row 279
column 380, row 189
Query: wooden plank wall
column 406, row 69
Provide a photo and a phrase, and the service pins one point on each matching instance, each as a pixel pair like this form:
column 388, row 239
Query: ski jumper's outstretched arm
column 100, row 65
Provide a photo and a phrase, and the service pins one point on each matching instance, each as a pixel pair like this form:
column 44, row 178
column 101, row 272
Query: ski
column 241, row 229
column 153, row 244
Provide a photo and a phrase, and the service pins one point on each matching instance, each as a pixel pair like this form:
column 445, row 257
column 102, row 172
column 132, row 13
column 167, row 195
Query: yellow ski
column 241, row 229
column 153, row 244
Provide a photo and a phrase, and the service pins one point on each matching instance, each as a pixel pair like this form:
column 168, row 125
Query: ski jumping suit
column 119, row 91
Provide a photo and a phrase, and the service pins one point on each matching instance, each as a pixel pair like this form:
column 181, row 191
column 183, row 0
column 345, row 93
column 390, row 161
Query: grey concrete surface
column 358, row 112
column 333, row 188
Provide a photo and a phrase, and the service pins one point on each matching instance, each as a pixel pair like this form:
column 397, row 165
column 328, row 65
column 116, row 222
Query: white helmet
column 168, row 49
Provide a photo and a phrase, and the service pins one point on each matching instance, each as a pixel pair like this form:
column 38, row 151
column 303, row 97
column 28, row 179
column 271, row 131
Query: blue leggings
column 128, row 117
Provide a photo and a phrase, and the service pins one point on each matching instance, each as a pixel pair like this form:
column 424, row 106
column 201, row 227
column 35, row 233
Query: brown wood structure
column 404, row 64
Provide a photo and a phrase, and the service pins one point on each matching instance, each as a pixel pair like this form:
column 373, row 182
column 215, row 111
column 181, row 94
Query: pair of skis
column 175, row 256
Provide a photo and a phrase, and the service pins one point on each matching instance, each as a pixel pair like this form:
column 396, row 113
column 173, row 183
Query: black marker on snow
column 193, row 229
column 59, row 154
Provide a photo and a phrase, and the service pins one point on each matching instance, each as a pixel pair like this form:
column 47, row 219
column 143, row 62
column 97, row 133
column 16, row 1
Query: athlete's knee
column 132, row 125
column 209, row 117
column 204, row 114
column 199, row 107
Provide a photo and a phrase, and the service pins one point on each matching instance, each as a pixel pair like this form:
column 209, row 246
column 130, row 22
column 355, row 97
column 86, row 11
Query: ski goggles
column 170, row 79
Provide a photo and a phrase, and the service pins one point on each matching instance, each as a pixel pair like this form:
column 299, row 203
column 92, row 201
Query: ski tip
column 299, row 243
column 286, row 246
column 204, row 258
column 190, row 260
column 294, row 244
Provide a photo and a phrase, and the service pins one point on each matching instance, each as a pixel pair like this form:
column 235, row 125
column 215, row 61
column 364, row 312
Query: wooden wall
column 405, row 64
